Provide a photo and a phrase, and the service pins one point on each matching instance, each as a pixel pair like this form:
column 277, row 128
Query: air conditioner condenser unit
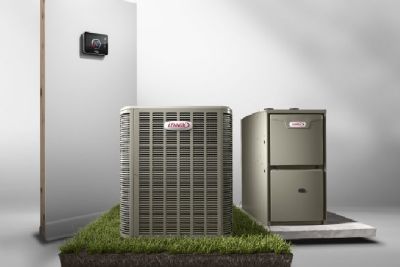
column 176, row 171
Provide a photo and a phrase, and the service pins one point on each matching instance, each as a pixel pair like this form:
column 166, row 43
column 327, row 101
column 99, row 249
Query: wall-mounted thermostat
column 95, row 43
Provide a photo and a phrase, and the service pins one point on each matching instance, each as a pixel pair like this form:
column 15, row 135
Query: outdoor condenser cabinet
column 176, row 171
column 283, row 166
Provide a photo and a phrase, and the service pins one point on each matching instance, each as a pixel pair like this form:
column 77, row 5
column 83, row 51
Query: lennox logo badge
column 178, row 125
column 297, row 124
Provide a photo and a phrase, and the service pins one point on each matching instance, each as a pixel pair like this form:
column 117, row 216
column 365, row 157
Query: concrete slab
column 337, row 226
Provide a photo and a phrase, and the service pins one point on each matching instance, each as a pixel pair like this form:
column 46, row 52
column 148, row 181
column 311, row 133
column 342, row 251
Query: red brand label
column 178, row 125
column 297, row 124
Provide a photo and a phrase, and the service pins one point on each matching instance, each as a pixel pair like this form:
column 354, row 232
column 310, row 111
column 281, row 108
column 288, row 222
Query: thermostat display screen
column 95, row 43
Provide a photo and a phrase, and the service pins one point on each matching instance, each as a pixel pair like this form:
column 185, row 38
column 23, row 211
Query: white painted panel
column 83, row 95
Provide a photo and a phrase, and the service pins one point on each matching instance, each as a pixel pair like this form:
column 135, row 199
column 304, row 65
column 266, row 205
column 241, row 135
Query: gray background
column 340, row 55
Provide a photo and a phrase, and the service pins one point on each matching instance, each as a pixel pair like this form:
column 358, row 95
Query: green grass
column 102, row 236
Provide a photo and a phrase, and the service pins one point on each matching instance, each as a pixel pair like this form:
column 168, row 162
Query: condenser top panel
column 225, row 109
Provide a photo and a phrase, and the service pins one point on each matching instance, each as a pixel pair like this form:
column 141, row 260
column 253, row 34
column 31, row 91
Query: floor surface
column 21, row 247
column 383, row 250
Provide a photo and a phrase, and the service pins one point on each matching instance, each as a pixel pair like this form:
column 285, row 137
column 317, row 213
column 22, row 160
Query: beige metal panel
column 227, row 175
column 126, row 173
column 290, row 149
column 254, row 166
column 296, row 139
column 224, row 109
column 295, row 111
column 182, row 180
column 297, row 195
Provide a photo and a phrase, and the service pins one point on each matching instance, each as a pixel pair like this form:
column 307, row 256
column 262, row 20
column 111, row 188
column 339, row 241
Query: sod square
column 100, row 244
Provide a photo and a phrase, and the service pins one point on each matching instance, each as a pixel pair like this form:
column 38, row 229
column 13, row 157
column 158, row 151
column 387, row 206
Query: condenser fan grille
column 184, row 177
column 227, row 165
column 125, row 182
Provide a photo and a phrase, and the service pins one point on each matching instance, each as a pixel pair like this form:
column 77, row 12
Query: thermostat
column 94, row 43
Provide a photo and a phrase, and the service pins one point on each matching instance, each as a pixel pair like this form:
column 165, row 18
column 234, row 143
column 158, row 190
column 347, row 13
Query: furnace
column 284, row 166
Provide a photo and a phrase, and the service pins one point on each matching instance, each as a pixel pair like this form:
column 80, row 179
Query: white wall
column 19, row 104
column 83, row 98
column 339, row 55
column 84, row 95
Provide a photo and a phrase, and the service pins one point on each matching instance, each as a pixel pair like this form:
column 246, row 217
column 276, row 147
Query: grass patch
column 102, row 236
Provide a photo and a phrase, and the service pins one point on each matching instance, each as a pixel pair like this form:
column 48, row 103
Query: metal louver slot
column 198, row 128
column 144, row 173
column 184, row 136
column 198, row 173
column 171, row 135
column 158, row 128
column 227, row 170
column 171, row 174
column 211, row 173
column 125, row 181
column 184, row 177
column 158, row 155
column 144, row 128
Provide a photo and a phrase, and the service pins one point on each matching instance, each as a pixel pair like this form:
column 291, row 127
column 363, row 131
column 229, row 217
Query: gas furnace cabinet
column 283, row 166
column 176, row 171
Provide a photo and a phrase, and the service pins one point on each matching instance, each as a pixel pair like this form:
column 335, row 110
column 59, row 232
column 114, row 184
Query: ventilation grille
column 179, row 173
column 125, row 200
column 211, row 175
column 227, row 166
column 144, row 172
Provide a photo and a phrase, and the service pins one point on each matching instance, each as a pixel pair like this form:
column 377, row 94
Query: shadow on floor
column 333, row 218
column 39, row 238
column 335, row 241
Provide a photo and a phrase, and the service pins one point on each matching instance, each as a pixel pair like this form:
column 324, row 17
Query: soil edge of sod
column 100, row 244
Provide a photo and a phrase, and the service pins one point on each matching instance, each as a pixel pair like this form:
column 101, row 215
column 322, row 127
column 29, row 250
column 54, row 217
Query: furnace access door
column 296, row 139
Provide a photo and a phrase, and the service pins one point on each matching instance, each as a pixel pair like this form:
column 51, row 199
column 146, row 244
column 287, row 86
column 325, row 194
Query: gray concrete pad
column 337, row 226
